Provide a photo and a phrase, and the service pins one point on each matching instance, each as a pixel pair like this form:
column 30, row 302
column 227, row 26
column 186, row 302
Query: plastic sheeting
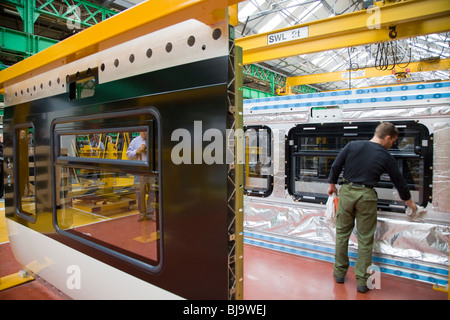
column 419, row 241
column 441, row 167
column 394, row 113
column 297, row 117
column 425, row 242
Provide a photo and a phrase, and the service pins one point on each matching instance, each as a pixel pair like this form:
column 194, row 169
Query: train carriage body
column 98, row 223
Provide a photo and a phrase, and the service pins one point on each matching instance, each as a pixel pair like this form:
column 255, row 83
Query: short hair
column 386, row 129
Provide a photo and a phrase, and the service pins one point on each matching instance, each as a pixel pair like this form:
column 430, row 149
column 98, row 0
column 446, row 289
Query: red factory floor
column 268, row 275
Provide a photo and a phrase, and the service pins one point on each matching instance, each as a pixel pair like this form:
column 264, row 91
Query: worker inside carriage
column 146, row 185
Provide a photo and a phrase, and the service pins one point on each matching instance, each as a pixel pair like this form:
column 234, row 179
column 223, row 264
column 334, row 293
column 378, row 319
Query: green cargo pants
column 358, row 203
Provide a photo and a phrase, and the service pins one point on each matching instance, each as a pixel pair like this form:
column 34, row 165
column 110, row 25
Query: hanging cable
column 388, row 56
column 409, row 59
column 351, row 67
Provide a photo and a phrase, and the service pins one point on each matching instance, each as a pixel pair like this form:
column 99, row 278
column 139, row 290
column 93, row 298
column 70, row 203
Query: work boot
column 362, row 289
column 338, row 279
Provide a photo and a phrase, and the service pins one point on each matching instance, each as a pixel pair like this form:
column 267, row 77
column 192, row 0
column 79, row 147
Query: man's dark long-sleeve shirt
column 364, row 162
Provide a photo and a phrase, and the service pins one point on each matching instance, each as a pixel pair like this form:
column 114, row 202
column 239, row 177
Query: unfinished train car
column 291, row 142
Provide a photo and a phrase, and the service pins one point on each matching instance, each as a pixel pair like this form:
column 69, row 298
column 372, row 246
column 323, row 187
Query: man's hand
column 332, row 189
column 141, row 149
column 416, row 215
column 410, row 203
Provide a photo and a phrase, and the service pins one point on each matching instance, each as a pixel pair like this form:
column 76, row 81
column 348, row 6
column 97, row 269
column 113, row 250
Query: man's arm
column 336, row 169
column 400, row 183
column 132, row 149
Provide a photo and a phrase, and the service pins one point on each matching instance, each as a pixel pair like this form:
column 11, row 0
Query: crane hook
column 392, row 32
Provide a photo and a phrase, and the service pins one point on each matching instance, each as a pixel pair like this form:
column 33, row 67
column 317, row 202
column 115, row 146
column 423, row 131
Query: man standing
column 363, row 163
column 146, row 185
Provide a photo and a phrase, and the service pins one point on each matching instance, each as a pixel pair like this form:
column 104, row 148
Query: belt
column 357, row 184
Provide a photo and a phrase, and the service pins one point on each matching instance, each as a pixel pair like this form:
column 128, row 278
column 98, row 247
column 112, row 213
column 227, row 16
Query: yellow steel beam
column 141, row 19
column 368, row 72
column 411, row 18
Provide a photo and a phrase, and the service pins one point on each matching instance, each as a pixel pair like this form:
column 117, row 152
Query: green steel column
column 272, row 83
column 28, row 14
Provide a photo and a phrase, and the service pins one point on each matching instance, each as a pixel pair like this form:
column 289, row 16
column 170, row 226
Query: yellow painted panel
column 13, row 280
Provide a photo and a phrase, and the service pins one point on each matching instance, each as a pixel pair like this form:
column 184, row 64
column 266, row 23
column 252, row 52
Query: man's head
column 387, row 134
column 143, row 134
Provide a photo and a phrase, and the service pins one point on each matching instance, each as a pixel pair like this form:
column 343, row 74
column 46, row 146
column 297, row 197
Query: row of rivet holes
column 191, row 41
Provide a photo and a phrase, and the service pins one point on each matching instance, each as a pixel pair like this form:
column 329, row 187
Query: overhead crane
column 410, row 18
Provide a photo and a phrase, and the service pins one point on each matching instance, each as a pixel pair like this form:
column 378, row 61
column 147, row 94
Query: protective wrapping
column 278, row 163
column 355, row 114
column 413, row 101
column 441, row 167
column 296, row 117
column 288, row 220
column 410, row 245
column 408, row 112
column 418, row 241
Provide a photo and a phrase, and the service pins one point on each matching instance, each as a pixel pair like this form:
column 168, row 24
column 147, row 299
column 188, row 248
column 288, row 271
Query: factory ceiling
column 255, row 17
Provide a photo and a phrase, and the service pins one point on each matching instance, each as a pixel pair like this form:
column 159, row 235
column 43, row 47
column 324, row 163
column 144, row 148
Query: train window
column 103, row 144
column 313, row 148
column 258, row 162
column 25, row 172
column 107, row 188
column 82, row 89
column 82, row 84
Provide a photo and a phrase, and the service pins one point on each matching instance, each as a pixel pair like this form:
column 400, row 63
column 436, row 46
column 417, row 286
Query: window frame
column 18, row 209
column 269, row 178
column 134, row 167
column 423, row 151
column 64, row 160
